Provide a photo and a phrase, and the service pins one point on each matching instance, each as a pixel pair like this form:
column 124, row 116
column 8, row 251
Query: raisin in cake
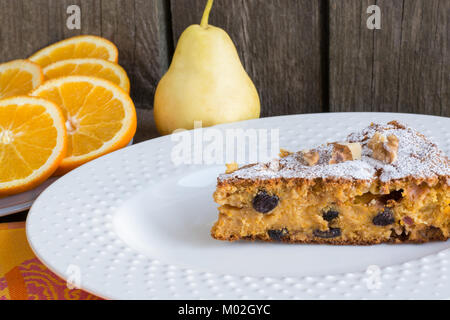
column 387, row 183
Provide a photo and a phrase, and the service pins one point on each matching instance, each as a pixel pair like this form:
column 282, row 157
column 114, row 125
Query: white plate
column 132, row 225
column 23, row 201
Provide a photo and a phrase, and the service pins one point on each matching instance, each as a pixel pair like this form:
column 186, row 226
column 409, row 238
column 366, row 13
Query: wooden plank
column 32, row 25
column 351, row 56
column 146, row 127
column 152, row 49
column 118, row 25
column 137, row 27
column 10, row 32
column 35, row 31
column 400, row 68
column 279, row 43
column 425, row 58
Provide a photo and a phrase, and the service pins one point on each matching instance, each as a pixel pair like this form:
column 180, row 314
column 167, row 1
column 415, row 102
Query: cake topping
column 345, row 152
column 384, row 148
column 409, row 154
column 274, row 165
column 311, row 157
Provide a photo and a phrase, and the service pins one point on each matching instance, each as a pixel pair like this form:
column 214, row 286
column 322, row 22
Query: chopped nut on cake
column 384, row 148
column 311, row 157
column 345, row 152
column 231, row 167
column 284, row 153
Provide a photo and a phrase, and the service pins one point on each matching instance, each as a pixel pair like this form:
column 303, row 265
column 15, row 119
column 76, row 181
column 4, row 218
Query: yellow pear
column 205, row 82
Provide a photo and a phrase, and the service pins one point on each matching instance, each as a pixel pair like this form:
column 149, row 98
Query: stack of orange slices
column 66, row 105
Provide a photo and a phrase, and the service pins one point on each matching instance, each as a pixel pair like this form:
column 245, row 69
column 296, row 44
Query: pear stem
column 205, row 17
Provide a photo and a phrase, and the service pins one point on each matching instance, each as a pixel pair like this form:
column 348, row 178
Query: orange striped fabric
column 23, row 276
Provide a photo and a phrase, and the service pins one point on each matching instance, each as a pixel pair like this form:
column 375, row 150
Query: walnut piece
column 384, row 148
column 284, row 153
column 310, row 157
column 231, row 167
column 345, row 152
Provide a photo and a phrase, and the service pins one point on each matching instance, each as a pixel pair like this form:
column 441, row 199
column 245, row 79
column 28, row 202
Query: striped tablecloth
column 23, row 276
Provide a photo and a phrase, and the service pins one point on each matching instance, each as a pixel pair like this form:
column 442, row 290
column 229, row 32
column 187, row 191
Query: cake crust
column 423, row 239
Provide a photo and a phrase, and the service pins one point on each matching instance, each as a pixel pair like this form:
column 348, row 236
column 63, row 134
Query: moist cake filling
column 348, row 214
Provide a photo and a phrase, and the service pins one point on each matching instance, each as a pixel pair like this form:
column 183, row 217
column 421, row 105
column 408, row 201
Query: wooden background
column 303, row 55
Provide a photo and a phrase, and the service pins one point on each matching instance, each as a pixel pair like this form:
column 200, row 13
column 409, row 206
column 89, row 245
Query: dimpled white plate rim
column 132, row 225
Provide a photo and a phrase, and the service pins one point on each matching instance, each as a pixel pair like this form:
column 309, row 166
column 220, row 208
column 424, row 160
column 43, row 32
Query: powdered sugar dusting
column 417, row 157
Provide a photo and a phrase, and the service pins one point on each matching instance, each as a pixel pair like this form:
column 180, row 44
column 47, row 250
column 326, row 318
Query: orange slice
column 19, row 77
column 100, row 117
column 32, row 143
column 77, row 47
column 89, row 67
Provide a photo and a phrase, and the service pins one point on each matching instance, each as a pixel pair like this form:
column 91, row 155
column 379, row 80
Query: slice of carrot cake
column 387, row 183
